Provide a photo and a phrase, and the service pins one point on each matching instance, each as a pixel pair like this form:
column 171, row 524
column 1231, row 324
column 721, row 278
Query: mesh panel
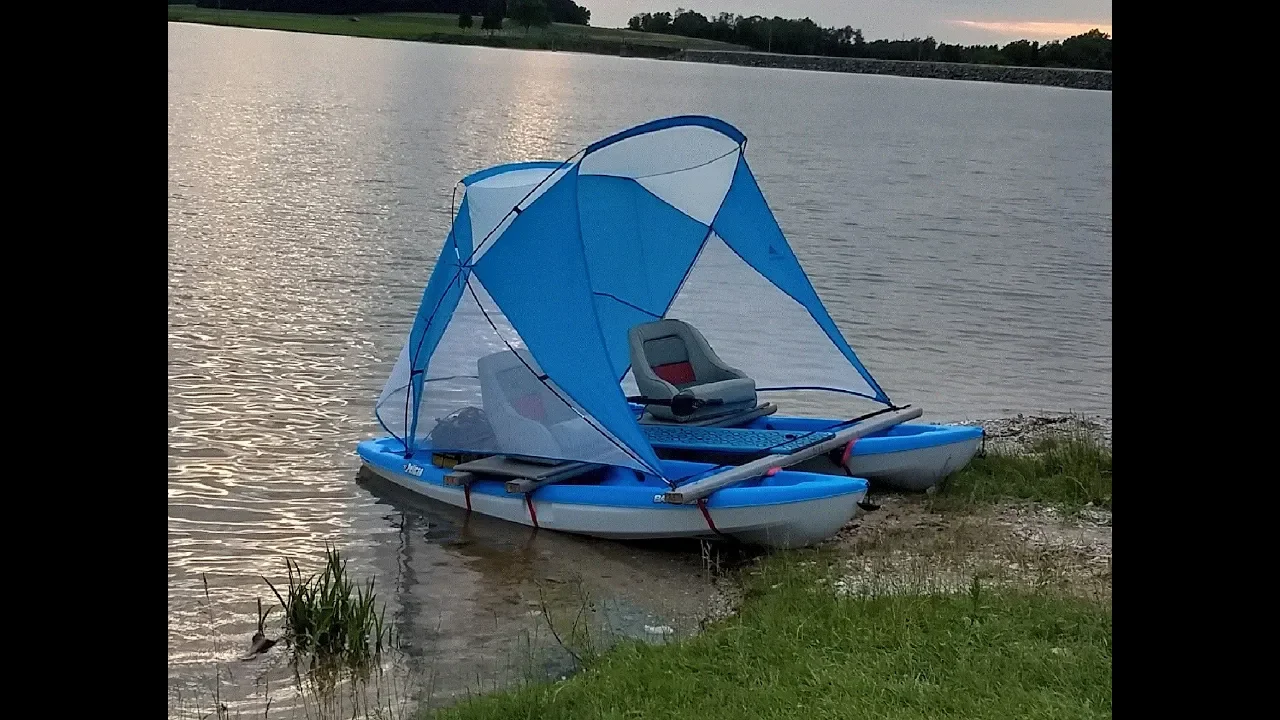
column 698, row 191
column 492, row 199
column 392, row 408
column 664, row 151
column 485, row 393
column 755, row 327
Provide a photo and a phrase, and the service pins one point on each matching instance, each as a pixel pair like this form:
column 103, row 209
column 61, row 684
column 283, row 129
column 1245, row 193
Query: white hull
column 913, row 470
column 783, row 525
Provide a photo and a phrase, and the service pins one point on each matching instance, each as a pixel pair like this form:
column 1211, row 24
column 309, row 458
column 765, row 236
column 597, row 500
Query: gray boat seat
column 670, row 356
column 528, row 418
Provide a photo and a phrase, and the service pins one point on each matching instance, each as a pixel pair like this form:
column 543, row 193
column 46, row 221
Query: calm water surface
column 959, row 232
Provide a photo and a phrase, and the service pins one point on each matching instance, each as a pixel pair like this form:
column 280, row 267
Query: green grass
column 796, row 650
column 1068, row 471
column 329, row 618
column 443, row 28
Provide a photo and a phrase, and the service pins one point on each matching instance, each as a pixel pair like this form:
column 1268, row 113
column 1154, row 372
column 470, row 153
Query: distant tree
column 690, row 24
column 492, row 19
column 659, row 22
column 530, row 13
column 1022, row 52
column 1090, row 50
column 567, row 11
column 465, row 21
column 928, row 49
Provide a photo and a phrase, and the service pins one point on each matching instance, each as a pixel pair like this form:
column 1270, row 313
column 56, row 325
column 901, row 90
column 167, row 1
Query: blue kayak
column 911, row 456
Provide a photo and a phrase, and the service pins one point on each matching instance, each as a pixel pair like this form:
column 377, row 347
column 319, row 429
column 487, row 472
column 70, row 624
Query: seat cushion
column 676, row 373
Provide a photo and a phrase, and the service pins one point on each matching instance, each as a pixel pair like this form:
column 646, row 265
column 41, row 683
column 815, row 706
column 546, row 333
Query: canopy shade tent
column 549, row 265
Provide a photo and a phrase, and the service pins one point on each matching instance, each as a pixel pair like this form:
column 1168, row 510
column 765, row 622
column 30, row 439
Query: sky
column 967, row 22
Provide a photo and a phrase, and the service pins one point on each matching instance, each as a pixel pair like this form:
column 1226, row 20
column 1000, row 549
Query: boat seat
column 528, row 419
column 670, row 356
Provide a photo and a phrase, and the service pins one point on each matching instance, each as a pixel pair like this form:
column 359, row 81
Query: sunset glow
column 1033, row 30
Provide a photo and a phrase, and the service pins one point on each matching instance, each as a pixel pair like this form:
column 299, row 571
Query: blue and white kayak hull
column 908, row 457
column 917, row 468
column 788, row 509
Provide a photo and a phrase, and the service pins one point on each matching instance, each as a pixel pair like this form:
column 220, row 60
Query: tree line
column 562, row 11
column 527, row 13
column 1090, row 50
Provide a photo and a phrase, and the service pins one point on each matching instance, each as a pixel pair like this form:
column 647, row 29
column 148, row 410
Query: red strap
column 706, row 514
column 466, row 492
column 533, row 514
column 847, row 450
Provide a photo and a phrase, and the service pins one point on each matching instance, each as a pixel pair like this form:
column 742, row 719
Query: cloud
column 1033, row 30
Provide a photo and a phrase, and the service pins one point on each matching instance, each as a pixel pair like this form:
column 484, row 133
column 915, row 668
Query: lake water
column 960, row 234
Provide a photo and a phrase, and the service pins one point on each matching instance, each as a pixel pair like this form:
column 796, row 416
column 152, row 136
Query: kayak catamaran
column 560, row 371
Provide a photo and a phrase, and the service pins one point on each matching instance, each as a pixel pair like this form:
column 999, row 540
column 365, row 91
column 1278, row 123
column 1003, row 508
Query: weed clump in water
column 331, row 619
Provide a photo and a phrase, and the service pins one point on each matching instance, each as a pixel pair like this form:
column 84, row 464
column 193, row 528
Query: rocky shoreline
column 1021, row 432
column 1057, row 77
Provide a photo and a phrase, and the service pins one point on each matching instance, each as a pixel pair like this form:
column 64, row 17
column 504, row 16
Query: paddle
column 681, row 405
column 702, row 488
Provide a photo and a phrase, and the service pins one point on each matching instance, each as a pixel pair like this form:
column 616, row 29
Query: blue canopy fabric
column 549, row 265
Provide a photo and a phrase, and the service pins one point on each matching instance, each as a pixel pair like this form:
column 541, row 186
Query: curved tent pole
column 705, row 121
column 489, row 172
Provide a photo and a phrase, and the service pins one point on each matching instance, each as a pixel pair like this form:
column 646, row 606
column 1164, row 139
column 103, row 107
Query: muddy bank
column 1057, row 77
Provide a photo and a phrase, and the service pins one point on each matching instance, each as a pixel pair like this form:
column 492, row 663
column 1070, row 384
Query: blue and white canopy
column 558, row 260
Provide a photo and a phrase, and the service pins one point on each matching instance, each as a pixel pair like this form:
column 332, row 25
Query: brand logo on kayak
column 413, row 470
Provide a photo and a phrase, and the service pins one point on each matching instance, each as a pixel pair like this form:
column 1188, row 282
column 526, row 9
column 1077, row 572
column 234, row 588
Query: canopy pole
column 695, row 491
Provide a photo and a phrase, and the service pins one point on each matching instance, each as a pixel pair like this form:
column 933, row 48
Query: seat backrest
column 668, row 355
column 529, row 417
column 675, row 352
column 508, row 383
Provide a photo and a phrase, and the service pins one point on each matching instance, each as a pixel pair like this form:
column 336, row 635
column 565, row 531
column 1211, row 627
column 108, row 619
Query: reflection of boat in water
column 440, row 524
column 457, row 594
column 473, row 589
column 559, row 284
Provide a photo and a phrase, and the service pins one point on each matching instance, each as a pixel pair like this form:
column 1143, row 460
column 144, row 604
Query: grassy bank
column 798, row 648
column 956, row 604
column 443, row 28
column 1069, row 471
column 932, row 606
